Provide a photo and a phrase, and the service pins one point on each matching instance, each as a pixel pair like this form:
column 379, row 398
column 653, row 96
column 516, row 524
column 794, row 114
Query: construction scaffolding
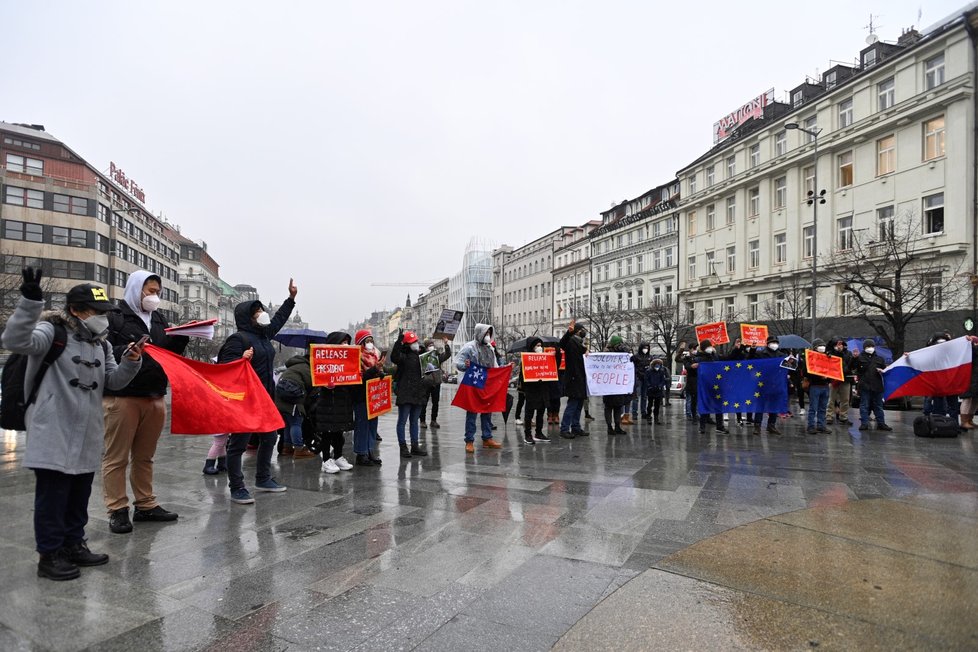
column 470, row 290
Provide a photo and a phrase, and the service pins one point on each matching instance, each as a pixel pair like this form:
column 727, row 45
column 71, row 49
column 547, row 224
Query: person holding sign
column 818, row 390
column 536, row 392
column 431, row 361
column 365, row 430
column 410, row 390
column 575, row 380
column 615, row 403
column 331, row 412
column 840, row 391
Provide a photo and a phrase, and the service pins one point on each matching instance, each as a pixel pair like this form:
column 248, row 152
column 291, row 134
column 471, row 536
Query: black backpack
column 935, row 425
column 289, row 390
column 13, row 406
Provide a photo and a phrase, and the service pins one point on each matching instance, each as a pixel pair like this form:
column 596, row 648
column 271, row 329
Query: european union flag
column 759, row 385
column 475, row 376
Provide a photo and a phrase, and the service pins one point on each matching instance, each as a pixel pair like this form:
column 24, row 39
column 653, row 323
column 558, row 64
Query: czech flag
column 939, row 370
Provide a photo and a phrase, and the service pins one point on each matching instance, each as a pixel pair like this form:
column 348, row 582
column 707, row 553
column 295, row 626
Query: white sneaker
column 343, row 464
column 329, row 466
column 519, row 422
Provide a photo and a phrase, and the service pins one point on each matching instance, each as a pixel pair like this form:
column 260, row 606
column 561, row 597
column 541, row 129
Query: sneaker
column 528, row 439
column 519, row 422
column 329, row 466
column 241, row 497
column 79, row 555
column 469, row 447
column 119, row 522
column 155, row 514
column 883, row 426
column 55, row 566
column 491, row 443
column 270, row 486
column 810, row 430
column 423, row 425
column 541, row 438
column 342, row 464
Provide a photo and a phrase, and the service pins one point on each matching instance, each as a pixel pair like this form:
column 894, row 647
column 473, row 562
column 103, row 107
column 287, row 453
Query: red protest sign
column 823, row 364
column 716, row 333
column 538, row 366
column 379, row 396
column 334, row 365
column 563, row 359
column 753, row 334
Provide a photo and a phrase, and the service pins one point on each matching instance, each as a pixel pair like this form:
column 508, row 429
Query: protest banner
column 715, row 332
column 609, row 373
column 334, row 365
column 753, row 334
column 448, row 324
column 538, row 367
column 563, row 359
column 823, row 364
column 379, row 391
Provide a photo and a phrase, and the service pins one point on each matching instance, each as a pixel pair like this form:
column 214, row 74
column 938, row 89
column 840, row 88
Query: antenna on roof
column 872, row 27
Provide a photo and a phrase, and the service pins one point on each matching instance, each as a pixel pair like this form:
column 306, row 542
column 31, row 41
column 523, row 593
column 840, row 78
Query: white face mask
column 369, row 346
column 870, row 350
column 151, row 302
column 97, row 324
column 710, row 349
column 263, row 319
column 431, row 347
column 645, row 351
column 941, row 341
column 774, row 346
column 415, row 346
column 820, row 349
column 487, row 340
column 538, row 349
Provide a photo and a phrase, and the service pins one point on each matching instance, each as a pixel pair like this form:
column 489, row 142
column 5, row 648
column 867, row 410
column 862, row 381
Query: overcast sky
column 354, row 143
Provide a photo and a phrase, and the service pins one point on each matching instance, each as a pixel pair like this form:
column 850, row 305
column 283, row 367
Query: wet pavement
column 659, row 539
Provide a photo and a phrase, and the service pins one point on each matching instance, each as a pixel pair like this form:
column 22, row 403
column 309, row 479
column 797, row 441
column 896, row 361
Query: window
column 830, row 79
column 780, row 305
column 809, row 180
column 885, row 97
column 711, row 175
column 59, row 235
column 845, row 169
column 711, row 263
column 754, row 254
column 620, row 302
column 731, row 259
column 869, row 59
column 711, row 217
column 74, row 205
column 808, row 241
column 101, row 274
column 752, row 307
column 780, row 192
column 810, row 126
column 933, row 299
column 731, row 166
column 691, row 267
column 809, row 302
column 755, row 155
column 780, row 248
column 690, row 312
column 639, row 300
column 668, row 256
column 692, row 184
column 797, row 98
column 730, row 309
column 847, row 302
column 640, row 263
column 780, row 143
column 845, row 232
column 885, row 155
column 618, row 269
column 934, row 213
column 628, row 266
column 628, row 300
column 710, row 312
column 657, row 229
column 731, row 210
column 933, row 72
column 24, row 164
column 845, row 113
column 691, row 223
column 656, row 259
column 754, row 202
column 23, row 197
column 885, row 217
column 16, row 142
column 934, row 138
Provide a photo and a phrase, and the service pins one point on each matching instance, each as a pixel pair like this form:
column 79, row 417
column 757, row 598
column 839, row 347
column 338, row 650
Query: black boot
column 79, row 555
column 376, row 461
column 417, row 451
column 405, row 451
column 210, row 467
column 222, row 464
column 363, row 460
column 55, row 566
column 119, row 522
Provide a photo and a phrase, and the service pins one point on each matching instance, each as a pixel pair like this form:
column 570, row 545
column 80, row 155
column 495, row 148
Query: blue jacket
column 657, row 382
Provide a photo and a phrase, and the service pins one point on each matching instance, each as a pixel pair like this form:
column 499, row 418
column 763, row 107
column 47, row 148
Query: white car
column 678, row 385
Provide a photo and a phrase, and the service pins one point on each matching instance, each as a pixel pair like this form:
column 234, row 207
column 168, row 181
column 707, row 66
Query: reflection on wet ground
column 515, row 548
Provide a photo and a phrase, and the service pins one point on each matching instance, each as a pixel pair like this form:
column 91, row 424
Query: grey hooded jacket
column 66, row 425
column 476, row 351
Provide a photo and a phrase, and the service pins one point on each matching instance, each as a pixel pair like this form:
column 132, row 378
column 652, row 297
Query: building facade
column 571, row 275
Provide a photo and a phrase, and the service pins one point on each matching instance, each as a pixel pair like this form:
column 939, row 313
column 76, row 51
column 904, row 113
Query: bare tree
column 666, row 329
column 602, row 320
column 896, row 277
column 789, row 307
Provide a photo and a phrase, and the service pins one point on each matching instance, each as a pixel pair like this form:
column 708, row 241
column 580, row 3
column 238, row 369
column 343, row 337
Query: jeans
column 237, row 442
column 408, row 413
column 818, row 397
column 485, row 420
column 363, row 432
column 571, row 421
column 870, row 400
column 945, row 405
column 689, row 405
column 60, row 508
column 641, row 399
column 293, row 430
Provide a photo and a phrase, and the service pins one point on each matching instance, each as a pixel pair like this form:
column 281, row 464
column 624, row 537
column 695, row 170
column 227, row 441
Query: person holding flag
column 869, row 368
column 478, row 391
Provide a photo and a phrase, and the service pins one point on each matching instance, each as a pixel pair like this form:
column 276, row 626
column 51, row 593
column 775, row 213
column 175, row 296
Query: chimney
column 908, row 37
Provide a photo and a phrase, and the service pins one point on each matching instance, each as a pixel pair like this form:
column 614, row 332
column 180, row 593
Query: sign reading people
column 538, row 367
column 379, row 396
column 753, row 334
column 334, row 365
column 609, row 373
column 715, row 332
column 823, row 364
column 448, row 324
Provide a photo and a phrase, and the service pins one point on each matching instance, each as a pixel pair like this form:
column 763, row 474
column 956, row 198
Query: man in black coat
column 705, row 353
column 410, row 390
column 331, row 414
column 575, row 380
column 869, row 367
column 771, row 350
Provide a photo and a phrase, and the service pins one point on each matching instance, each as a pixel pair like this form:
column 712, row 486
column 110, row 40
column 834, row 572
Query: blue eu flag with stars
column 759, row 385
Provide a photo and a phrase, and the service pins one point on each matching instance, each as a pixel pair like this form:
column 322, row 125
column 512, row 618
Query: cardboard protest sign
column 823, row 364
column 334, row 365
column 563, row 359
column 448, row 324
column 379, row 392
column 538, row 366
column 753, row 334
column 609, row 373
column 715, row 332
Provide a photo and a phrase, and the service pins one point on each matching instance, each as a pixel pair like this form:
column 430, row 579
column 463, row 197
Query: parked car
column 452, row 378
column 678, row 385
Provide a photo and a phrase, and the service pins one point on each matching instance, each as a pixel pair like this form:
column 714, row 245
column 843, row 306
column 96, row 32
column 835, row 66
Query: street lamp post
column 815, row 197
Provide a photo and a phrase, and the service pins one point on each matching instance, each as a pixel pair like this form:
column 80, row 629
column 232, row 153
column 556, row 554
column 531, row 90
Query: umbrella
column 520, row 345
column 856, row 343
column 794, row 342
column 300, row 338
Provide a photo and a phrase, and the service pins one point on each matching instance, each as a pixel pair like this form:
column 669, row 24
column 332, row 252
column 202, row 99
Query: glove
column 31, row 287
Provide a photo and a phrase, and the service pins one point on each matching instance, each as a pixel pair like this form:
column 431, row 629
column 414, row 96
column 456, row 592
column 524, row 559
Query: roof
column 29, row 132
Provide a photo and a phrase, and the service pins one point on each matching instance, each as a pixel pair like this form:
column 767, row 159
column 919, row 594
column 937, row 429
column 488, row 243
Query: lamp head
column 791, row 125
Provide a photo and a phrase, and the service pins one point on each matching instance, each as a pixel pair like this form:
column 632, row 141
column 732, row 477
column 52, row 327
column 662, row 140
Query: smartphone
column 138, row 344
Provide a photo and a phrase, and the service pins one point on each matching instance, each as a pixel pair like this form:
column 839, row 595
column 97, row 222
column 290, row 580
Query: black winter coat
column 258, row 337
column 865, row 366
column 537, row 393
column 657, row 381
column 126, row 327
column 575, row 377
column 331, row 410
column 409, row 384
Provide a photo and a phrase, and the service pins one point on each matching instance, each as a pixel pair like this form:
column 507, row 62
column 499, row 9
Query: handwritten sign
column 379, row 396
column 448, row 323
column 753, row 334
column 823, row 364
column 538, row 367
column 716, row 333
column 609, row 373
column 563, row 359
column 334, row 365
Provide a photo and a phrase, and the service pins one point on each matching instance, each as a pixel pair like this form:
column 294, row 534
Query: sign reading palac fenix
column 609, row 373
column 753, row 109
column 334, row 365
column 128, row 184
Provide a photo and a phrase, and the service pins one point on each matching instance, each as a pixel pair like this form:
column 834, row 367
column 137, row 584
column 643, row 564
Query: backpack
column 13, row 406
column 935, row 425
column 289, row 390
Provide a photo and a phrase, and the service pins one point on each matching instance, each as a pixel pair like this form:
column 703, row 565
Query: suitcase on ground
column 935, row 425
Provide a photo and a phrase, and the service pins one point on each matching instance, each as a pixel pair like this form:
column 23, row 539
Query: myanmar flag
column 483, row 389
column 211, row 399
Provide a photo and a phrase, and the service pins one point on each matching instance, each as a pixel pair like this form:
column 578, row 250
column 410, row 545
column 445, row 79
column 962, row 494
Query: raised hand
column 293, row 290
column 31, row 287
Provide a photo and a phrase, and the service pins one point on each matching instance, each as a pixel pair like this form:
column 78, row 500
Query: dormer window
column 797, row 99
column 869, row 59
column 830, row 79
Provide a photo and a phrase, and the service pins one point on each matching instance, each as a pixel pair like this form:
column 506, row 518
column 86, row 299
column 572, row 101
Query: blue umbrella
column 793, row 342
column 300, row 338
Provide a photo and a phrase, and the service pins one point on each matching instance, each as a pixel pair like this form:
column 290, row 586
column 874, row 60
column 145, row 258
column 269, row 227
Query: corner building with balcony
column 895, row 137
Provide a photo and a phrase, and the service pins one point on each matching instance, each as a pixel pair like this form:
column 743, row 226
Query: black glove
column 31, row 287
